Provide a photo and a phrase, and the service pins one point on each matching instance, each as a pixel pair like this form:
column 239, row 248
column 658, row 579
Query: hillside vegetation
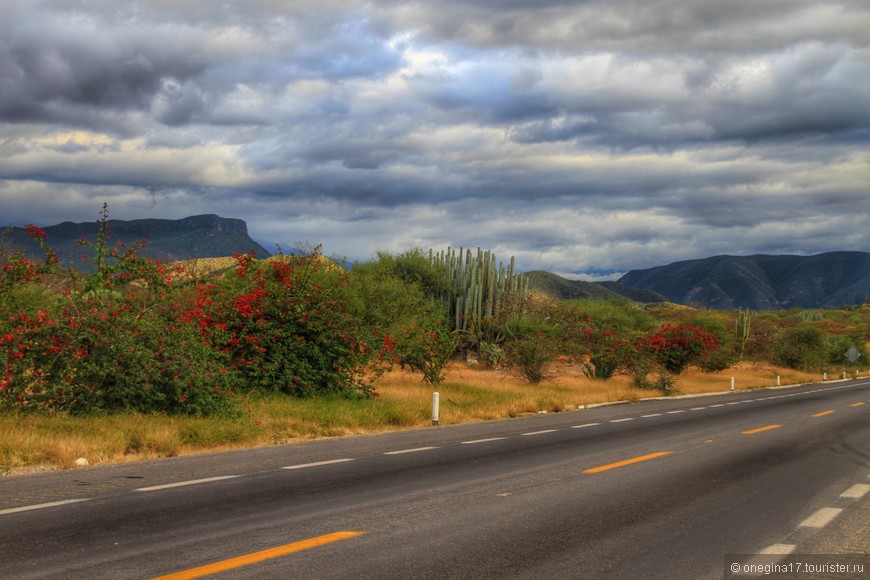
column 204, row 342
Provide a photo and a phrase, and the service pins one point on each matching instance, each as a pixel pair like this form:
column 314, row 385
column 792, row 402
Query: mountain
column 760, row 282
column 565, row 289
column 201, row 236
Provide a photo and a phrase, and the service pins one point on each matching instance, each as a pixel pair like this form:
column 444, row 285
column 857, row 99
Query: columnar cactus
column 741, row 327
column 475, row 286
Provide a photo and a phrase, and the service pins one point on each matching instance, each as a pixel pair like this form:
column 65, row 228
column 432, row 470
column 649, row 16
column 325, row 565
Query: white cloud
column 581, row 137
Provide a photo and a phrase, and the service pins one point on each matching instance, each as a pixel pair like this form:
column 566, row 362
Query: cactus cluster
column 475, row 288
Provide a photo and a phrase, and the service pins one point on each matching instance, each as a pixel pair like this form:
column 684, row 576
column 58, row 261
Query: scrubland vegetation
column 142, row 359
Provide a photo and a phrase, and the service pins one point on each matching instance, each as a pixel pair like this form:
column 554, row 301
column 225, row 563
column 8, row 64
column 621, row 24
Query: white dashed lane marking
column 483, row 440
column 857, row 491
column 414, row 450
column 318, row 463
column 821, row 518
column 779, row 549
column 186, row 483
column 40, row 506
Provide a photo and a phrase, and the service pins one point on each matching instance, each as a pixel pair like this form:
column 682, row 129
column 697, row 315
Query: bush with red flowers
column 675, row 347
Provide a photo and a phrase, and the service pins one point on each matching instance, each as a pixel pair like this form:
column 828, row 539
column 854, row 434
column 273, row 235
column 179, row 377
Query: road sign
column 852, row 355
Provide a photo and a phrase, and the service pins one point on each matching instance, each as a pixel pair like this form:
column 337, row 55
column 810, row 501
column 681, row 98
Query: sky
column 585, row 137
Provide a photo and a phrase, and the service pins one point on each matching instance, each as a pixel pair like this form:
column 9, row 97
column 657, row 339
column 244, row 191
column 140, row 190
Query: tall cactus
column 475, row 286
column 741, row 328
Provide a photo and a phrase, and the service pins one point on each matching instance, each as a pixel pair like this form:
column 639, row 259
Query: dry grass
column 468, row 394
column 475, row 394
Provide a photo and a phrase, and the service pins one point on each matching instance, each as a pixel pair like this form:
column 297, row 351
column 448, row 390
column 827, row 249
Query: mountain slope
column 760, row 282
column 202, row 236
column 565, row 289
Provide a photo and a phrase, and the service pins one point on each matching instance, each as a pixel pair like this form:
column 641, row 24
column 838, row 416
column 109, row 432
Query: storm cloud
column 594, row 136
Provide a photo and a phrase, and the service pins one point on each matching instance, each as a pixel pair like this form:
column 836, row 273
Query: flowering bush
column 676, row 347
column 285, row 328
column 92, row 356
column 104, row 349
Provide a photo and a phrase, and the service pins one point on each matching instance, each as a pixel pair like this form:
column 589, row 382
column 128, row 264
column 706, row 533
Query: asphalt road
column 664, row 489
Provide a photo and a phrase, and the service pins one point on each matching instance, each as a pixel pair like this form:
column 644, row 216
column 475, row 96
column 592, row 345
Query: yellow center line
column 260, row 556
column 760, row 429
column 823, row 413
column 627, row 462
column 857, row 404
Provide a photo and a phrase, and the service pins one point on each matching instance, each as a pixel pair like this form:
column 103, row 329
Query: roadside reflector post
column 777, row 380
column 825, row 376
column 844, row 374
column 732, row 384
column 435, row 404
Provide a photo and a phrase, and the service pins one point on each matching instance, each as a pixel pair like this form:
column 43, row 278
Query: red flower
column 35, row 232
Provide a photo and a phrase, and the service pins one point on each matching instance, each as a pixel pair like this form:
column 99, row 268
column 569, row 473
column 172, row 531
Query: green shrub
column 607, row 354
column 383, row 298
column 803, row 347
column 619, row 316
column 533, row 343
column 427, row 348
column 489, row 354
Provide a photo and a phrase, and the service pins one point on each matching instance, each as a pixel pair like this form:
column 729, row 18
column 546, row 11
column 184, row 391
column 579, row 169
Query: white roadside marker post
column 435, row 404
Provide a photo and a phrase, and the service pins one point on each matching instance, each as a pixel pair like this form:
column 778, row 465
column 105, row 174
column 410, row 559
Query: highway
column 659, row 489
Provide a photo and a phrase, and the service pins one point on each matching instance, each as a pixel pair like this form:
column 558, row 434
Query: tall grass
column 404, row 401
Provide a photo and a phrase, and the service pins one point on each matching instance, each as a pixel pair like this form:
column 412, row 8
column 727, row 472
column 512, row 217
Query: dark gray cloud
column 600, row 135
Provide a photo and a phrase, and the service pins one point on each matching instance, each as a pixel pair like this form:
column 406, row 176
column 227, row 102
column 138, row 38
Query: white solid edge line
column 473, row 441
column 821, row 518
column 186, row 483
column 40, row 506
column 318, row 463
column 414, row 450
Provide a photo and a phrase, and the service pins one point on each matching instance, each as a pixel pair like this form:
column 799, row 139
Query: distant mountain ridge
column 760, row 282
column 200, row 236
